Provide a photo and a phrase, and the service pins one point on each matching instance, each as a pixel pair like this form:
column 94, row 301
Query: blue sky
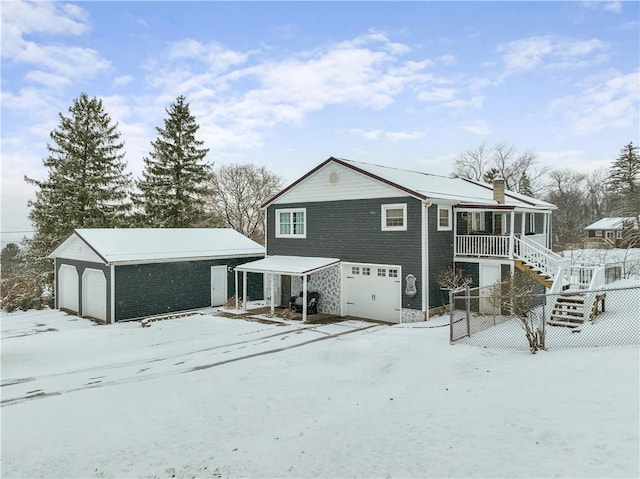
column 288, row 84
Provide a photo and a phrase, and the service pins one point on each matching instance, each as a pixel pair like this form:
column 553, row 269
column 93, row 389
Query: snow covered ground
column 210, row 396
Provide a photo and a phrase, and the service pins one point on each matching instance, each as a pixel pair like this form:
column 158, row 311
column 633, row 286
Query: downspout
column 425, row 258
column 512, row 241
column 113, row 294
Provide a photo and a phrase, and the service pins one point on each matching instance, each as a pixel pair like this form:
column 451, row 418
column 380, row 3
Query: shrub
column 24, row 291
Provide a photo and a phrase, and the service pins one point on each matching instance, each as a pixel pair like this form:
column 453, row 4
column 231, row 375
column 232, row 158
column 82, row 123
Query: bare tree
column 516, row 167
column 473, row 164
column 518, row 295
column 597, row 193
column 237, row 194
column 566, row 190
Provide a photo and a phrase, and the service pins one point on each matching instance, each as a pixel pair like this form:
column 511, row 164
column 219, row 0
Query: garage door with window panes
column 373, row 291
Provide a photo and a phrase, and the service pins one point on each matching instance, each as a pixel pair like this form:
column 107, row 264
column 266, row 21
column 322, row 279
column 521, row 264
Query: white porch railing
column 483, row 245
column 529, row 250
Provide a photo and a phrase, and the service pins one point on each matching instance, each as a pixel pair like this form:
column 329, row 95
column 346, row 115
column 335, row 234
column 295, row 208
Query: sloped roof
column 124, row 245
column 288, row 265
column 613, row 223
column 427, row 186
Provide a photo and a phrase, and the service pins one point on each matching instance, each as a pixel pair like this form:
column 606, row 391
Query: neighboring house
column 609, row 232
column 371, row 239
column 117, row 274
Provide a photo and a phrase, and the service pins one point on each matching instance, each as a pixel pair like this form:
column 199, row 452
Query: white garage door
column 94, row 294
column 372, row 291
column 68, row 288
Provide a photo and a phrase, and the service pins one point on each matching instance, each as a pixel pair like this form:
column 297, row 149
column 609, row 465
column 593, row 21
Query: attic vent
column 334, row 178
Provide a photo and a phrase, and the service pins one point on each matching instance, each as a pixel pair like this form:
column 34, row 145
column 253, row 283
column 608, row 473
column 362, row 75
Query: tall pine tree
column 86, row 186
column 173, row 187
column 624, row 182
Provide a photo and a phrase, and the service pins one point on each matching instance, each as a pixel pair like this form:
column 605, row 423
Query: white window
column 393, row 273
column 291, row 223
column 477, row 221
column 355, row 270
column 532, row 223
column 444, row 218
column 599, row 234
column 609, row 234
column 394, row 217
column 619, row 234
column 382, row 272
column 366, row 271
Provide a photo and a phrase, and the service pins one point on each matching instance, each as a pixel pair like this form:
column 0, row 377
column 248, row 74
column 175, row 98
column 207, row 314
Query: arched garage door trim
column 94, row 294
column 68, row 292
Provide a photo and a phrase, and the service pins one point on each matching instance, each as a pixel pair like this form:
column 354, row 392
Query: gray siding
column 440, row 255
column 351, row 231
column 80, row 267
column 158, row 288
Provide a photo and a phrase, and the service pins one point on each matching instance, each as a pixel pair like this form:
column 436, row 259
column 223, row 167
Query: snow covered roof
column 438, row 187
column 457, row 191
column 135, row 245
column 288, row 265
column 615, row 223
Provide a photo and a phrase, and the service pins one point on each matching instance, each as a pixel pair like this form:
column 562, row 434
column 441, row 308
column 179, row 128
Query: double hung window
column 291, row 223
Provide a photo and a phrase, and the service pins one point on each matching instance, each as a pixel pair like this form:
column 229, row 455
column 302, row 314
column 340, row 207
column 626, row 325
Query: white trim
column 425, row 258
column 112, row 314
column 225, row 289
column 447, row 208
column 291, row 212
column 394, row 206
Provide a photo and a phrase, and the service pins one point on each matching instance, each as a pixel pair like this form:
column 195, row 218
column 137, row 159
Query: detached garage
column 115, row 274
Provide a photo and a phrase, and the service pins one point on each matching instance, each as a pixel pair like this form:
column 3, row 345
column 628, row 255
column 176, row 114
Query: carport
column 283, row 265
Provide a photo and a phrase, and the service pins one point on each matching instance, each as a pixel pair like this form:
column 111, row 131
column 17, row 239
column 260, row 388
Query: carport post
column 304, row 297
column 236, row 272
column 273, row 292
column 244, row 290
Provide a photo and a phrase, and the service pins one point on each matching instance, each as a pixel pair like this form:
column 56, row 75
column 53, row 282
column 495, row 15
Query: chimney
column 498, row 190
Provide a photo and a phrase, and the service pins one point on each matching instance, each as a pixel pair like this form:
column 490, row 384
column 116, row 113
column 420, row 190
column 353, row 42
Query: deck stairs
column 571, row 310
column 541, row 263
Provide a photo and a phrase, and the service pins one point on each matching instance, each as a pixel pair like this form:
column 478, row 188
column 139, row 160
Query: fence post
column 467, row 301
column 451, row 316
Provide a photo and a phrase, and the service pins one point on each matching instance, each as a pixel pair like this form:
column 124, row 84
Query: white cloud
column 550, row 51
column 393, row 136
column 20, row 19
column 365, row 72
column 478, row 128
column 438, row 94
column 122, row 80
column 613, row 7
column 610, row 103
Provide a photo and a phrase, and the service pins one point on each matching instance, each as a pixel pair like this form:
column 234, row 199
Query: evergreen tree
column 624, row 182
column 174, row 182
column 524, row 185
column 86, row 186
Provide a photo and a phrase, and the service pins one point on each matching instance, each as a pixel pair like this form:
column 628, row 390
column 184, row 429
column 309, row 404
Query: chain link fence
column 485, row 317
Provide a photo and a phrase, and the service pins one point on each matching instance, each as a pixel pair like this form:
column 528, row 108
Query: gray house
column 118, row 274
column 378, row 236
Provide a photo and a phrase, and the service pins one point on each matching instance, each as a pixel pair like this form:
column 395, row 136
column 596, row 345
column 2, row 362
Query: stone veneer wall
column 327, row 283
column 411, row 316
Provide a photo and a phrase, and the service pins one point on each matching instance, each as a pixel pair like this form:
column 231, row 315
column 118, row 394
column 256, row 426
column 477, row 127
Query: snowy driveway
column 208, row 396
column 125, row 352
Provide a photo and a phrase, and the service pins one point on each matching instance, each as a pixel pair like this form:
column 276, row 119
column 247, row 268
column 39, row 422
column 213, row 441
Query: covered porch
column 497, row 231
column 273, row 267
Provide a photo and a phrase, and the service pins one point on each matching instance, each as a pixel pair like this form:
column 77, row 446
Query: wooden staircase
column 542, row 277
column 569, row 310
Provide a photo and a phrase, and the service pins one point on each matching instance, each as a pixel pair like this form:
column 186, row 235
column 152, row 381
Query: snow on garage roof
column 609, row 223
column 288, row 265
column 136, row 245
